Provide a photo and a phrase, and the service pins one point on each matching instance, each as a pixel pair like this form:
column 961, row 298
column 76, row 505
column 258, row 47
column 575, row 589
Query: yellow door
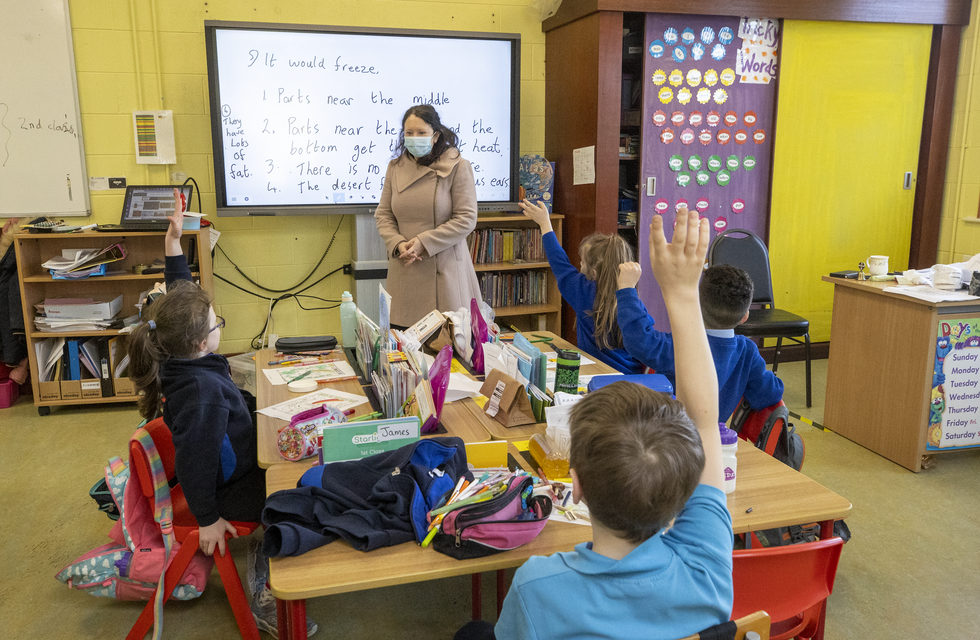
column 851, row 98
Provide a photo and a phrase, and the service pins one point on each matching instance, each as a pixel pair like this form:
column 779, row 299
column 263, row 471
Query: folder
column 105, row 366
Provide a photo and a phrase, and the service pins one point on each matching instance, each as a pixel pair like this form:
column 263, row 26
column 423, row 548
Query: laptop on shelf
column 146, row 207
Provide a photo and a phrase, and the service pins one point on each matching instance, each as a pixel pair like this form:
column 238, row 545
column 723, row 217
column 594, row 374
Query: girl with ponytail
column 174, row 366
column 591, row 290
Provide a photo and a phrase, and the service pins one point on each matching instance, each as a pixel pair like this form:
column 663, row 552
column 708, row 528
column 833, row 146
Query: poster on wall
column 709, row 100
column 954, row 409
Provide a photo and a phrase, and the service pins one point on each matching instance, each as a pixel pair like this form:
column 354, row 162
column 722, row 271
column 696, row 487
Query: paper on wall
column 153, row 133
column 583, row 161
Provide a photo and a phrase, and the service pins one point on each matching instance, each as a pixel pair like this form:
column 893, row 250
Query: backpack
column 130, row 567
column 769, row 429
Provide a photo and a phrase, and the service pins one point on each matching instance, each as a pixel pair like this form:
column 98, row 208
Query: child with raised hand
column 172, row 361
column 659, row 566
column 726, row 293
column 590, row 292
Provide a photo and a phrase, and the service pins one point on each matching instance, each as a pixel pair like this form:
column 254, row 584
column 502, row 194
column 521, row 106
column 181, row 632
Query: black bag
column 103, row 497
column 770, row 430
column 305, row 343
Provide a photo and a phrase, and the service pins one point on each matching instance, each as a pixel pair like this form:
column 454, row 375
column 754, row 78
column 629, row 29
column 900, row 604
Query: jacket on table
column 378, row 501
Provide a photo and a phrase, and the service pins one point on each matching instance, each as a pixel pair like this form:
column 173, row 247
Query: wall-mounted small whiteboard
column 42, row 160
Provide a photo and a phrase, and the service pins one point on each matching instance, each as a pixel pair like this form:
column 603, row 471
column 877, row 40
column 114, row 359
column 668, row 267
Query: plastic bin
column 8, row 393
column 243, row 371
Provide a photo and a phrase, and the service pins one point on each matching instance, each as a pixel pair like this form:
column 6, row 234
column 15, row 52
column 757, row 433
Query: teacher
column 427, row 208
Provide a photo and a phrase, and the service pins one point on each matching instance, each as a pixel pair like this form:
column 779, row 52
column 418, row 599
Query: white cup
column 878, row 265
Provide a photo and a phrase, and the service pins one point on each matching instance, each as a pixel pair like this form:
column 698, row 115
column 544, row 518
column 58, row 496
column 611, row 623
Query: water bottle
column 348, row 320
column 729, row 445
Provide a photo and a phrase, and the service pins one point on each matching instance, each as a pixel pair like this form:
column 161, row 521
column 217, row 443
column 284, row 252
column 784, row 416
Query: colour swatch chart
column 954, row 403
column 707, row 124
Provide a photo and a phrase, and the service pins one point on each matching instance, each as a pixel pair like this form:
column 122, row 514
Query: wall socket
column 178, row 176
column 273, row 338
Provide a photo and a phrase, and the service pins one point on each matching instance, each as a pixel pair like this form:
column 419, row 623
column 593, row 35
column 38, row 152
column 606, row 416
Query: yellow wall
column 847, row 130
column 960, row 228
column 122, row 46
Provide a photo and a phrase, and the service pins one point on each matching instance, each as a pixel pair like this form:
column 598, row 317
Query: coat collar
column 407, row 171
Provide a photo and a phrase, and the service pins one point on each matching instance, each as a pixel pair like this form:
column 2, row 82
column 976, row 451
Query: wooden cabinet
column 36, row 284
column 542, row 314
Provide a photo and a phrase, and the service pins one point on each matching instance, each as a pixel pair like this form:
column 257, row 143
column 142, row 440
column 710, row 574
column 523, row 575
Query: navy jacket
column 378, row 501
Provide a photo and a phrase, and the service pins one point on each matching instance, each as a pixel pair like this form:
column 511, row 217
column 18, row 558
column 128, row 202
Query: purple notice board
column 707, row 135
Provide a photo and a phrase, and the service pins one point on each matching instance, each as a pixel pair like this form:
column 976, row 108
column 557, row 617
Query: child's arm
column 577, row 290
column 677, row 267
column 176, row 263
column 640, row 339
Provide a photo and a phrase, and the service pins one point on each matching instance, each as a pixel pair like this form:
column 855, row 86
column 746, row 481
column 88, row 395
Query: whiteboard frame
column 217, row 140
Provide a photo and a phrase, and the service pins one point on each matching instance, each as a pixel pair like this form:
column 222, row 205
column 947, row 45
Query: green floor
column 909, row 571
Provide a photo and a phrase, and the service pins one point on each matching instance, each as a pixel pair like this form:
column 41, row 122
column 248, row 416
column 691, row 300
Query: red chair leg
column 296, row 610
column 236, row 595
column 282, row 618
column 174, row 572
column 501, row 591
column 477, row 580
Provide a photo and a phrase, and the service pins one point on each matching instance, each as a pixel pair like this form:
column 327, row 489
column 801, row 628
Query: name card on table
column 355, row 440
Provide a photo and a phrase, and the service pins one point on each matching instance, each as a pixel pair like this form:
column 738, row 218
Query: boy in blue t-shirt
column 726, row 293
column 643, row 462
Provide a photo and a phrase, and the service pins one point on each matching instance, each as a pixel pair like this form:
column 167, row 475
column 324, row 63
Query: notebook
column 146, row 207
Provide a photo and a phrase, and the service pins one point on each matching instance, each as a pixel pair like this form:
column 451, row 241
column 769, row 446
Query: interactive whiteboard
column 42, row 159
column 306, row 119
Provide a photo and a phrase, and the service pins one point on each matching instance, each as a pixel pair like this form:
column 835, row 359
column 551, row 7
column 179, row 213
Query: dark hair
column 637, row 455
column 447, row 137
column 180, row 318
column 600, row 255
column 726, row 293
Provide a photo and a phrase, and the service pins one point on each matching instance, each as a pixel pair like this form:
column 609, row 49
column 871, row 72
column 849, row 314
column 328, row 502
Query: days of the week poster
column 954, row 412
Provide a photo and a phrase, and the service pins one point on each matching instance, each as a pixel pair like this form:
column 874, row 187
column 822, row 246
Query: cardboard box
column 124, row 387
column 91, row 388
column 49, row 390
column 71, row 389
column 81, row 309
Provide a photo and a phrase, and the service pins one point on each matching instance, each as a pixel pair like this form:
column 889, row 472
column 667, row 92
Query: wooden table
column 498, row 431
column 777, row 495
column 464, row 423
column 879, row 376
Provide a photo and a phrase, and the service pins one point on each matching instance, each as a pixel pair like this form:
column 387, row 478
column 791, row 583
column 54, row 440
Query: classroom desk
column 777, row 495
column 464, row 423
column 879, row 375
column 498, row 431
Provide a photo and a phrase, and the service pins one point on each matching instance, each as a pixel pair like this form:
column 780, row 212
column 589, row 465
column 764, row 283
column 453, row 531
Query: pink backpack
column 130, row 567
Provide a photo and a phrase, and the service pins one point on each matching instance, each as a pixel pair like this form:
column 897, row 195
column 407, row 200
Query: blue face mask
column 418, row 146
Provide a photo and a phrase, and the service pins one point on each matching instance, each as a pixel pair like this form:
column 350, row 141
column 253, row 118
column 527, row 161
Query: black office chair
column 749, row 253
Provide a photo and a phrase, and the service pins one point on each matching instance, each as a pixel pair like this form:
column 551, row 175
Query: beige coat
column 437, row 204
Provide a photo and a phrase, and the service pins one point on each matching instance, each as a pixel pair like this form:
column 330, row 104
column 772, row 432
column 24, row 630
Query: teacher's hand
column 410, row 251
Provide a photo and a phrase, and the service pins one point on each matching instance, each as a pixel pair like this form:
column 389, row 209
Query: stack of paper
column 76, row 314
column 81, row 263
column 49, row 353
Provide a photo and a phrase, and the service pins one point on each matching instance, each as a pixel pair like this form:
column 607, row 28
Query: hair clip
column 153, row 325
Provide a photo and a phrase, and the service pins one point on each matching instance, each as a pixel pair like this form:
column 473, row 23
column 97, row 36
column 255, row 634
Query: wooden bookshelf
column 540, row 317
column 36, row 285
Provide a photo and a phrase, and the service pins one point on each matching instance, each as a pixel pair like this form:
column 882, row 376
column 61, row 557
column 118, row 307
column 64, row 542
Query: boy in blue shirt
column 643, row 462
column 726, row 293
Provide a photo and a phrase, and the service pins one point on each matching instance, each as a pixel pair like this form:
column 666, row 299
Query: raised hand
column 629, row 274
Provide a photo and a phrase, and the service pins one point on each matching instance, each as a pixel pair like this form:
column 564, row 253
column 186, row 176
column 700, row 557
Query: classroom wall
column 960, row 227
column 149, row 54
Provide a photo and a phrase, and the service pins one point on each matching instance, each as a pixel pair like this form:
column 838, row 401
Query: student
column 726, row 293
column 172, row 361
column 590, row 292
column 641, row 460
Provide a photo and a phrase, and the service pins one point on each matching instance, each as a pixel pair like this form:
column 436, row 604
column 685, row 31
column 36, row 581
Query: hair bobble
column 153, row 325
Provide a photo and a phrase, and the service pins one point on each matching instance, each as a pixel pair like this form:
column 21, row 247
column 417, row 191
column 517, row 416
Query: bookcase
column 499, row 276
column 36, row 285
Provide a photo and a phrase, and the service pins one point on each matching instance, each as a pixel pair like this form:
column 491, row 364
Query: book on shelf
column 513, row 288
column 490, row 245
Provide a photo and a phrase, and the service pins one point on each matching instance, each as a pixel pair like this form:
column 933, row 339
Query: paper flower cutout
column 659, row 77
column 720, row 96
column 707, row 35
column 657, row 48
column 718, row 51
column 687, row 36
column 697, row 51
column 727, row 77
column 659, row 118
column 693, row 78
column 725, row 35
column 683, row 95
column 711, row 77
column 670, row 36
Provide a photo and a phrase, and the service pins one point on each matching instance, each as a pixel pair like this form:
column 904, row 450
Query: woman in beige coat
column 427, row 208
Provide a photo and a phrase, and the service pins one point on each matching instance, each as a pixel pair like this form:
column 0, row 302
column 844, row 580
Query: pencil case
column 513, row 518
column 298, row 439
column 305, row 343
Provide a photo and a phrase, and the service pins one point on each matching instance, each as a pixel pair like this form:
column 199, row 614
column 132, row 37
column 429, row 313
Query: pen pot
column 566, row 373
column 546, row 456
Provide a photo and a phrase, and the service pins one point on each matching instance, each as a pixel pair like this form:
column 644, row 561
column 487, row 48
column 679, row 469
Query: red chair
column 186, row 533
column 791, row 583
